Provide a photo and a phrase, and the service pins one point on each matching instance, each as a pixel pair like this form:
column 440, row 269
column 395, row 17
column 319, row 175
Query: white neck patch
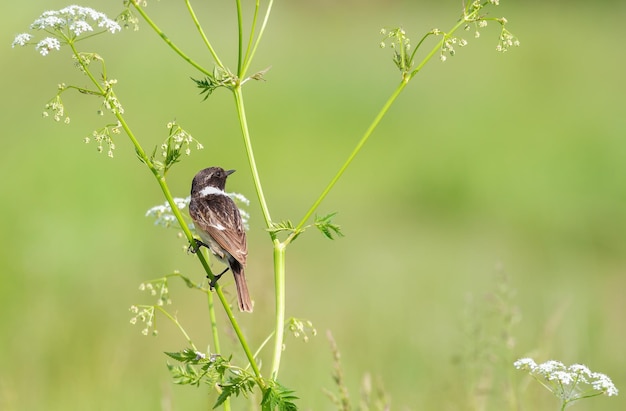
column 211, row 190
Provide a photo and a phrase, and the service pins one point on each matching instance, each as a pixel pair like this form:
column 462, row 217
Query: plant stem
column 180, row 327
column 250, row 56
column 204, row 37
column 279, row 322
column 406, row 77
column 183, row 225
column 239, row 38
column 214, row 330
column 247, row 57
column 167, row 39
column 241, row 112
column 351, row 157
column 215, row 334
column 240, row 336
column 161, row 180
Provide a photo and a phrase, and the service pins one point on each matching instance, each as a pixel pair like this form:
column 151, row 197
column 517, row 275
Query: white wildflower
column 47, row 44
column 65, row 26
column 21, row 39
column 568, row 383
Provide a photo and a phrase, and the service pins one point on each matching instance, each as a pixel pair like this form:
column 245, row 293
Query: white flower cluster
column 179, row 137
column 66, row 24
column 163, row 213
column 568, row 383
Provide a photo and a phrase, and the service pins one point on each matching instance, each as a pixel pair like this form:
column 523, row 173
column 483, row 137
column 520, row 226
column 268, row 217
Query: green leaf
column 207, row 85
column 186, row 356
column 327, row 227
column 287, row 226
column 219, row 78
column 184, row 374
column 278, row 397
column 284, row 225
column 239, row 384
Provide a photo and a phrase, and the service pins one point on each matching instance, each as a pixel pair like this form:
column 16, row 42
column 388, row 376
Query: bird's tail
column 245, row 304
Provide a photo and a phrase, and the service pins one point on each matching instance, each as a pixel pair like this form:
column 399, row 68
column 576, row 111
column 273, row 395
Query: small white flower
column 568, row 383
column 110, row 25
column 525, row 364
column 603, row 383
column 66, row 24
column 47, row 21
column 80, row 27
column 21, row 39
column 47, row 44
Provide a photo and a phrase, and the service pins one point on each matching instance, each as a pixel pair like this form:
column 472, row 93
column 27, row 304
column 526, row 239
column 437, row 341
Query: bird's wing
column 219, row 217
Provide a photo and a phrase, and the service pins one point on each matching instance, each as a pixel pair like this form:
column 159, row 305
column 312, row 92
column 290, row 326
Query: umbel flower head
column 568, row 383
column 66, row 25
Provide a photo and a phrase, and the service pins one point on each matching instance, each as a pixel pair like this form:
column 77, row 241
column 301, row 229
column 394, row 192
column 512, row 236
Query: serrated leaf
column 226, row 392
column 184, row 374
column 327, row 227
column 239, row 384
column 207, row 85
column 185, row 356
column 284, row 225
column 278, row 397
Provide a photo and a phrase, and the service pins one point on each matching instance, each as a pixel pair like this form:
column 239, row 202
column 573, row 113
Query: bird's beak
column 229, row 172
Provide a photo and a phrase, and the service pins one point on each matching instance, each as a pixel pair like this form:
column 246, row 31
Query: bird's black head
column 210, row 177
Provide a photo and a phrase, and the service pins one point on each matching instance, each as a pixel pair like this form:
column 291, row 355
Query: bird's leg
column 194, row 247
column 217, row 277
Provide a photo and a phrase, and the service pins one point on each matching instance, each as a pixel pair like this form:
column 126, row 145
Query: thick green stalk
column 279, row 322
column 241, row 112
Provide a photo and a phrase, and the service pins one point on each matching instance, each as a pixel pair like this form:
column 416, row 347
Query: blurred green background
column 487, row 164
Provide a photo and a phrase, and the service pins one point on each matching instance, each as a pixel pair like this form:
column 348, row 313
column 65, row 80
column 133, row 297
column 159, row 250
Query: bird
column 218, row 223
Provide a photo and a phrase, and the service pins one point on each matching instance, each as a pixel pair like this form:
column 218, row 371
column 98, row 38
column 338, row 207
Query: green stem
column 239, row 38
column 241, row 112
column 247, row 58
column 240, row 336
column 214, row 330
column 168, row 41
column 215, row 334
column 250, row 56
column 406, row 77
column 183, row 225
column 180, row 327
column 350, row 158
column 204, row 37
column 279, row 322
